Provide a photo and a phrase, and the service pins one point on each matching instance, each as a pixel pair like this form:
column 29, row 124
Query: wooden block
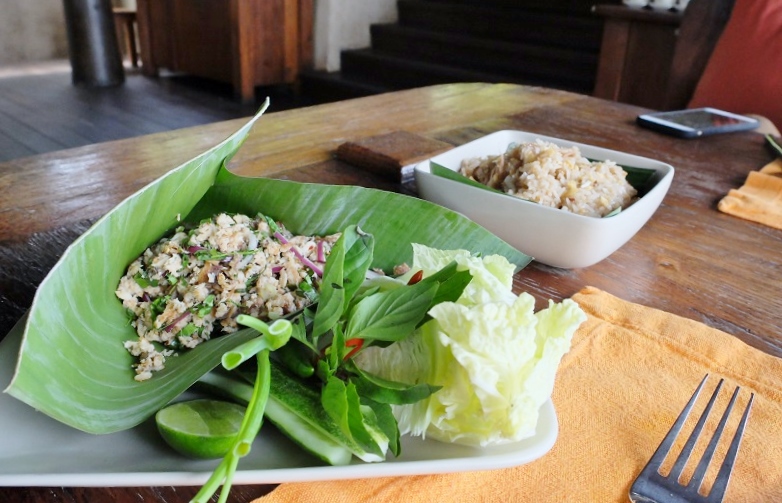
column 391, row 155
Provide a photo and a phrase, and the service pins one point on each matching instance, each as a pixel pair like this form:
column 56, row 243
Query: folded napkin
column 760, row 198
column 630, row 371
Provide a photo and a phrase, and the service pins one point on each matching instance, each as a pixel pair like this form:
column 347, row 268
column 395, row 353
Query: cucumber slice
column 295, row 410
column 307, row 437
column 303, row 402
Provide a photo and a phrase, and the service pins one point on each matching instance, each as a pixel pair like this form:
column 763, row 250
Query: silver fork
column 652, row 487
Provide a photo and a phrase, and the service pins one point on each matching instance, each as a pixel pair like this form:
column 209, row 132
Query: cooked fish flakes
column 191, row 286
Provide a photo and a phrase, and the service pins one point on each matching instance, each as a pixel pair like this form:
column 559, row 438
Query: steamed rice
column 554, row 176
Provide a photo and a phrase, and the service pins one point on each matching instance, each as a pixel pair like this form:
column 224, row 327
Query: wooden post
column 92, row 43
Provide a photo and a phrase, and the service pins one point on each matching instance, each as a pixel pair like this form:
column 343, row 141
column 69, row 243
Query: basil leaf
column 391, row 315
column 337, row 350
column 359, row 248
column 391, row 392
column 451, row 286
column 386, row 422
column 300, row 332
column 334, row 398
column 341, row 402
column 332, row 291
column 363, row 423
column 344, row 273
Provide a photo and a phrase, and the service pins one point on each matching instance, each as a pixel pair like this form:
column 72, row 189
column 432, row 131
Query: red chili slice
column 356, row 344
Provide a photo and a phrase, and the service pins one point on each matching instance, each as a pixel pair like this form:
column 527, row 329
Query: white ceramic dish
column 551, row 236
column 36, row 450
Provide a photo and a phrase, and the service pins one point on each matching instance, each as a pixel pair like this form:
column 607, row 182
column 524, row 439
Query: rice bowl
column 551, row 236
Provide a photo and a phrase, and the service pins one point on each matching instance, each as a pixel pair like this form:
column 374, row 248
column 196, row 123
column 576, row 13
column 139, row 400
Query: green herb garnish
column 143, row 281
column 347, row 408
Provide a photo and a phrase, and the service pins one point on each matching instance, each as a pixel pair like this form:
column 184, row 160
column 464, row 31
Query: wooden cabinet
column 246, row 43
column 655, row 59
column 636, row 55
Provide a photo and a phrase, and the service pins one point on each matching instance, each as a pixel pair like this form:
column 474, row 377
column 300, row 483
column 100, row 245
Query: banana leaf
column 72, row 364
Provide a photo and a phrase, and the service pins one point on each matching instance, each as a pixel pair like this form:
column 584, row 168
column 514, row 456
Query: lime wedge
column 202, row 428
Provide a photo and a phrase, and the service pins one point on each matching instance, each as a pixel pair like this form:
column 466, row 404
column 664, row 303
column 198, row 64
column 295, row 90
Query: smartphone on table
column 696, row 122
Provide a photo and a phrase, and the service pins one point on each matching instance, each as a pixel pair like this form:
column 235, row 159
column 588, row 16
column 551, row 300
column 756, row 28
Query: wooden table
column 689, row 259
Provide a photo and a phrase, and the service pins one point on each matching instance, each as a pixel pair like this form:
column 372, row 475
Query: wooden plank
column 610, row 68
column 290, row 40
column 45, row 112
column 245, row 25
column 306, row 33
column 647, row 65
column 700, row 30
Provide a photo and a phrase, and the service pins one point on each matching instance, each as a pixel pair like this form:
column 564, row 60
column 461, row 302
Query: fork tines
column 652, row 487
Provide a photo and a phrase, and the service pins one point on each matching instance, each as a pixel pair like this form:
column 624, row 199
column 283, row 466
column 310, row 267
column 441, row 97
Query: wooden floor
column 42, row 111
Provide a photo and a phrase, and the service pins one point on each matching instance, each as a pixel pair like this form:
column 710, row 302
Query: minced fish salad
column 194, row 284
column 554, row 176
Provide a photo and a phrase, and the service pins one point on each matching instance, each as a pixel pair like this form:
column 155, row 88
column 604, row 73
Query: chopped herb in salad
column 191, row 286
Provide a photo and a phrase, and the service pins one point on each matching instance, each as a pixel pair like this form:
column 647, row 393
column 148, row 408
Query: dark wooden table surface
column 689, row 259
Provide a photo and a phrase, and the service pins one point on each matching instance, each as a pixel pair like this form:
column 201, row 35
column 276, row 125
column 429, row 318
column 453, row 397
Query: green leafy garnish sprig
column 272, row 338
column 351, row 317
column 316, row 349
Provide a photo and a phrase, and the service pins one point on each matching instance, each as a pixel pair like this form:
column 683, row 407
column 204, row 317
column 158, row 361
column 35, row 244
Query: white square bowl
column 551, row 236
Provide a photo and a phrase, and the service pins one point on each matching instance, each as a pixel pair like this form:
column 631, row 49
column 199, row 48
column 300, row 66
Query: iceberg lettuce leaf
column 493, row 356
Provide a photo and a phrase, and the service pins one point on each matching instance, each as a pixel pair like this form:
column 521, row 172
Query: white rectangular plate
column 36, row 450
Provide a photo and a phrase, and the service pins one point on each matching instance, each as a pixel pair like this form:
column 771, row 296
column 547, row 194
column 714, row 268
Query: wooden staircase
column 552, row 43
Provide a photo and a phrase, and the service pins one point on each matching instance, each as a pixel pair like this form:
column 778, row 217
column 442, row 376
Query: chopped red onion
column 179, row 318
column 304, row 260
column 321, row 254
column 307, row 262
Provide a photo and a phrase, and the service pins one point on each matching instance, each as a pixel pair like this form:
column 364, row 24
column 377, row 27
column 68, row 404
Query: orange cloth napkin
column 760, row 198
column 630, row 371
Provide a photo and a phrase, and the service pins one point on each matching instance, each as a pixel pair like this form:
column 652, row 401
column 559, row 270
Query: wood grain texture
column 636, row 54
column 655, row 58
column 698, row 35
column 689, row 259
column 246, row 43
column 41, row 111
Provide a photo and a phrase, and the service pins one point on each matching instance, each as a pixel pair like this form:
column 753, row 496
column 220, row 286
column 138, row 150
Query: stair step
column 576, row 7
column 325, row 87
column 375, row 68
column 550, row 43
column 513, row 61
column 516, row 24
